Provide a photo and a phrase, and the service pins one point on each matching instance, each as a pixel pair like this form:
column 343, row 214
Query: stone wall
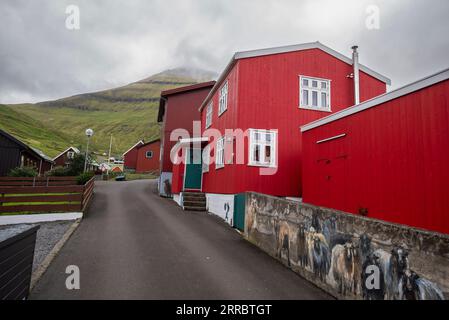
column 350, row 256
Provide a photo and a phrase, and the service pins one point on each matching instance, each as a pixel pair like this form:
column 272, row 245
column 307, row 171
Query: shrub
column 83, row 178
column 23, row 172
column 59, row 172
column 76, row 166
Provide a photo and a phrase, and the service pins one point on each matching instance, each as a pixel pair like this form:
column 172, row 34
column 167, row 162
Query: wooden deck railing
column 28, row 195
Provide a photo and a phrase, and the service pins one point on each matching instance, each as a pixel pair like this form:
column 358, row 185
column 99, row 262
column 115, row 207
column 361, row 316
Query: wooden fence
column 39, row 195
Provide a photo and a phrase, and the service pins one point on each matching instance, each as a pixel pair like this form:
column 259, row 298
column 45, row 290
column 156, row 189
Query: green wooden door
column 193, row 174
column 239, row 211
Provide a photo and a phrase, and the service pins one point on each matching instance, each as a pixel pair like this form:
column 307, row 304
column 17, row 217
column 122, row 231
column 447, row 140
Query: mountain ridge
column 127, row 112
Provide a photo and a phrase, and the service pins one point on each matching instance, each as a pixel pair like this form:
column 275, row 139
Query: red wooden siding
column 144, row 164
column 130, row 159
column 178, row 177
column 181, row 109
column 264, row 94
column 393, row 161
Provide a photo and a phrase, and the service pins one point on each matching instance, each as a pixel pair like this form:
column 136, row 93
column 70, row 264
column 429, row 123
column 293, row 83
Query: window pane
column 305, row 82
column 323, row 100
column 257, row 153
column 323, row 85
column 315, row 98
column 267, row 154
column 268, row 137
column 305, row 97
column 315, row 84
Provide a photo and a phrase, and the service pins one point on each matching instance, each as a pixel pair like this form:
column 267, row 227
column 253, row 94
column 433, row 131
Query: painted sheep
column 346, row 268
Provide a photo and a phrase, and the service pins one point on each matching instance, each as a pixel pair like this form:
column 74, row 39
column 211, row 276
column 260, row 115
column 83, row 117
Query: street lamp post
column 89, row 133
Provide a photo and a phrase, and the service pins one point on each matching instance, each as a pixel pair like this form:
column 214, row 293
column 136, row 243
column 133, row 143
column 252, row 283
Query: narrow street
column 135, row 245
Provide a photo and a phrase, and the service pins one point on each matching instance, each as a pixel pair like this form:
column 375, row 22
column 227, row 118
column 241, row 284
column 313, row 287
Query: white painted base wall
column 161, row 184
column 41, row 217
column 177, row 198
column 221, row 205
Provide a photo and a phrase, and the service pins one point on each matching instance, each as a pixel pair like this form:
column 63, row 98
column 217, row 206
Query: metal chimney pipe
column 355, row 64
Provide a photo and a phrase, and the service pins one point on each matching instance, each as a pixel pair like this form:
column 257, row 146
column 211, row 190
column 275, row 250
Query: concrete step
column 194, row 194
column 194, row 203
column 194, row 200
column 189, row 208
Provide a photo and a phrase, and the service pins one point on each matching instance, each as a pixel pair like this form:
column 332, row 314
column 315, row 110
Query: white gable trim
column 415, row 86
column 307, row 46
column 69, row 148
column 285, row 49
column 138, row 143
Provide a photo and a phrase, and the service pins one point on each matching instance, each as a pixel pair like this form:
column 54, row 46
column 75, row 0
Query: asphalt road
column 136, row 245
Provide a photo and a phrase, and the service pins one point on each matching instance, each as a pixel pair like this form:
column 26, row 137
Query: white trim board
column 137, row 144
column 285, row 49
column 410, row 88
column 76, row 150
column 39, row 217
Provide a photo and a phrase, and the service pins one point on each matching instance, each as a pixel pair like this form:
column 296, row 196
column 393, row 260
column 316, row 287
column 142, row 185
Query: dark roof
column 147, row 143
column 25, row 147
column 166, row 93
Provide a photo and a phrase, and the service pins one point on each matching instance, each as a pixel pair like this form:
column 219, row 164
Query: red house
column 268, row 94
column 63, row 159
column 178, row 109
column 148, row 156
column 130, row 156
column 386, row 158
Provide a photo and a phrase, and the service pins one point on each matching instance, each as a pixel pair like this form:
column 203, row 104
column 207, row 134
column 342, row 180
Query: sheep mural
column 338, row 258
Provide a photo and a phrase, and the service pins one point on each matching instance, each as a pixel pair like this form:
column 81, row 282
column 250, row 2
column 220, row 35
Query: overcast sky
column 124, row 41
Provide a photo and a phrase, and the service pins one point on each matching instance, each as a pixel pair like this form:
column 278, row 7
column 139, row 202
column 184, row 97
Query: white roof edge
column 73, row 148
column 407, row 89
column 306, row 46
column 187, row 141
column 285, row 49
column 138, row 142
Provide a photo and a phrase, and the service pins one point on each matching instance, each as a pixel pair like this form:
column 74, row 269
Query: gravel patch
column 48, row 235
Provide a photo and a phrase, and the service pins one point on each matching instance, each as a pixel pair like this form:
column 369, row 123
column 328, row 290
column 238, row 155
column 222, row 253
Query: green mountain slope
column 32, row 132
column 128, row 113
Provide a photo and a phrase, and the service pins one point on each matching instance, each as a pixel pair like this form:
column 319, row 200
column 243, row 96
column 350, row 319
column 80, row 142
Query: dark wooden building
column 14, row 153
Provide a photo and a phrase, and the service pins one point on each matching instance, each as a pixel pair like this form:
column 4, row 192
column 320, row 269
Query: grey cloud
column 124, row 41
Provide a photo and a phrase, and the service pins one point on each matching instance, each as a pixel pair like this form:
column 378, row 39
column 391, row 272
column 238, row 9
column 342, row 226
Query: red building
column 148, row 156
column 130, row 156
column 63, row 159
column 178, row 109
column 386, row 158
column 269, row 94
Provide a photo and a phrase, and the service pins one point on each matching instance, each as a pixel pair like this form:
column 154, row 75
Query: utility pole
column 109, row 155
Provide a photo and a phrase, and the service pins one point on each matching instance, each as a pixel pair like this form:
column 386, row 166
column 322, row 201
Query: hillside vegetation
column 33, row 132
column 128, row 113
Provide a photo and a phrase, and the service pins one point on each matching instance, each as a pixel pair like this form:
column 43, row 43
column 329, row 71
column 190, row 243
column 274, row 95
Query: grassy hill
column 128, row 113
column 32, row 132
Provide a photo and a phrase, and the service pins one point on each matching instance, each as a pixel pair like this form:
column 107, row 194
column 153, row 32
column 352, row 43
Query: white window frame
column 206, row 159
column 262, row 144
column 223, row 98
column 70, row 155
column 209, row 113
column 319, row 90
column 146, row 154
column 219, row 153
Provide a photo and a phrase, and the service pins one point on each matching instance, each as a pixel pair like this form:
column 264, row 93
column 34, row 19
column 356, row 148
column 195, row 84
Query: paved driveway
column 136, row 245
